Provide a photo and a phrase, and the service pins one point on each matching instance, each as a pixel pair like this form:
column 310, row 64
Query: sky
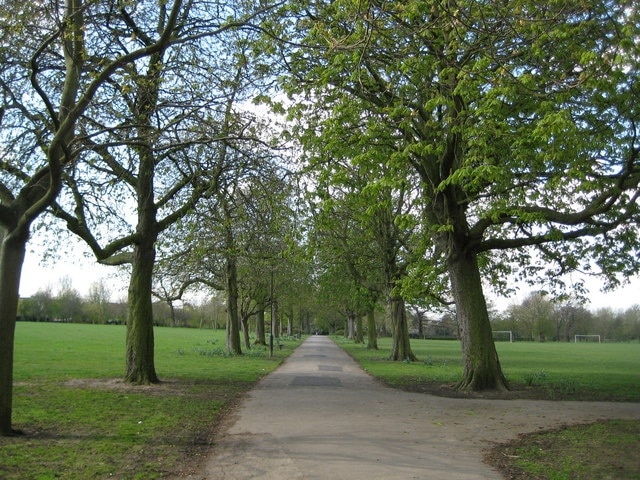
column 83, row 272
column 618, row 300
column 39, row 275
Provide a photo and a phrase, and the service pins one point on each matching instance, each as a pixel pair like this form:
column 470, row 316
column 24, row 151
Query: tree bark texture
column 401, row 347
column 245, row 332
column 351, row 326
column 233, row 320
column 140, row 363
column 482, row 369
column 12, row 254
column 372, row 332
column 261, row 338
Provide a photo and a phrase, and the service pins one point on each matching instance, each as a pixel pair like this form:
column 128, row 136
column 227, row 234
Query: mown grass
column 81, row 421
column 583, row 371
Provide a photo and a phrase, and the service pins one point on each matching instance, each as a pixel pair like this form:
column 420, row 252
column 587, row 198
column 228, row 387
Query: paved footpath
column 320, row 416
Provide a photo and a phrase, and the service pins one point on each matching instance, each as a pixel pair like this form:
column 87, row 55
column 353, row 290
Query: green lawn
column 600, row 450
column 582, row 371
column 82, row 422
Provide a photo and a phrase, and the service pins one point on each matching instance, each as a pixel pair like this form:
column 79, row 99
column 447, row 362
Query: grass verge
column 549, row 371
column 605, row 450
column 81, row 421
column 544, row 371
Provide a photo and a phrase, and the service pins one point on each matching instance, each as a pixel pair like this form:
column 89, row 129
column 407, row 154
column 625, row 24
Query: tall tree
column 156, row 142
column 366, row 226
column 569, row 317
column 520, row 118
column 534, row 315
column 48, row 82
column 97, row 302
column 374, row 206
column 238, row 238
column 272, row 266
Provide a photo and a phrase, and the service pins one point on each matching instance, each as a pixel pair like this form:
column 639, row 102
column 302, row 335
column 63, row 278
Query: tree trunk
column 172, row 309
column 245, row 332
column 33, row 199
column 275, row 321
column 12, row 253
column 261, row 338
column 140, row 367
column 140, row 363
column 351, row 326
column 359, row 334
column 372, row 332
column 233, row 320
column 401, row 348
column 482, row 369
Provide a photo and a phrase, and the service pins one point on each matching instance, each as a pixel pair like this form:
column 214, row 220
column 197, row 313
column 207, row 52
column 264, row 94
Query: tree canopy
column 49, row 81
column 519, row 118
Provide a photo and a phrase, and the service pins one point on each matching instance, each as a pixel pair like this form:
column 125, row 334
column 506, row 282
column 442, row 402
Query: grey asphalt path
column 320, row 416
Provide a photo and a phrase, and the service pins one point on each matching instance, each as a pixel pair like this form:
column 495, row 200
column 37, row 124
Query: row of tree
column 537, row 318
column 456, row 143
column 68, row 306
column 117, row 117
column 413, row 152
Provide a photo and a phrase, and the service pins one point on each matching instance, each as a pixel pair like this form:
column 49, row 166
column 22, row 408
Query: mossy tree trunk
column 372, row 331
column 12, row 254
column 359, row 330
column 233, row 319
column 401, row 345
column 261, row 338
column 350, row 332
column 140, row 363
column 245, row 332
column 482, row 369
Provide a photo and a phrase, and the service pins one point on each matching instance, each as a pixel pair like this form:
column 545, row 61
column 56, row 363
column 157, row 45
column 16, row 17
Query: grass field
column 582, row 371
column 82, row 422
